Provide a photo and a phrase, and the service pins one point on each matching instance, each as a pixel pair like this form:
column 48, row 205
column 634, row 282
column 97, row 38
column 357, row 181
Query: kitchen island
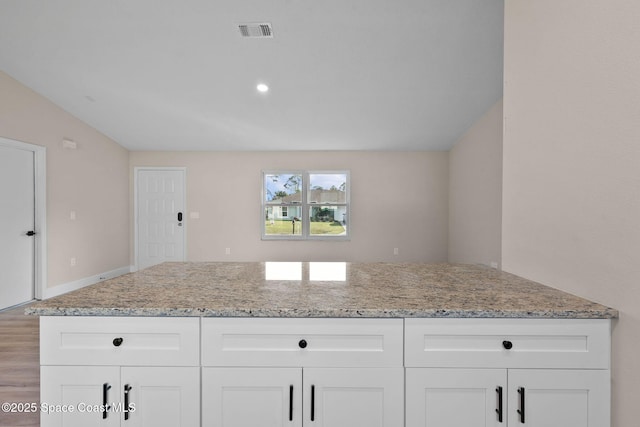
column 289, row 290
column 324, row 344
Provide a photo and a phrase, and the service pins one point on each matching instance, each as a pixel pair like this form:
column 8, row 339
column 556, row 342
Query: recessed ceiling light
column 262, row 88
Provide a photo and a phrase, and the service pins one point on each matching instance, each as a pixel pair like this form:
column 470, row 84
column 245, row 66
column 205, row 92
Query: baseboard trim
column 81, row 283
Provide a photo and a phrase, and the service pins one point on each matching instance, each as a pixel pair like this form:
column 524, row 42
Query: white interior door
column 16, row 221
column 160, row 216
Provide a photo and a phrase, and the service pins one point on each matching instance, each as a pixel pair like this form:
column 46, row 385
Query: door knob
column 31, row 233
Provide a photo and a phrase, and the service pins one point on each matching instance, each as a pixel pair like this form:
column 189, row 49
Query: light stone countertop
column 234, row 289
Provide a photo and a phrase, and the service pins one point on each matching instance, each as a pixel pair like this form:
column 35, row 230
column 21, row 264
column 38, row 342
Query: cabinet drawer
column 302, row 342
column 137, row 341
column 508, row 343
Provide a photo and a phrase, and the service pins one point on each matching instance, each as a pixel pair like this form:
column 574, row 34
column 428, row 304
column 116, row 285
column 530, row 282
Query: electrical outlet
column 396, row 251
column 227, row 251
column 494, row 264
column 73, row 262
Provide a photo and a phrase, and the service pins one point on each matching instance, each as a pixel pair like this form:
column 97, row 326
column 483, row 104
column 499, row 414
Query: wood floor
column 19, row 366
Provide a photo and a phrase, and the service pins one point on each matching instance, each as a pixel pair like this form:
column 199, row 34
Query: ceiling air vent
column 259, row 30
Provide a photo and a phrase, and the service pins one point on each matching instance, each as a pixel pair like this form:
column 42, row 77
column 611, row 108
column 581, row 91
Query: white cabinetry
column 324, row 372
column 85, row 396
column 559, row 398
column 346, row 397
column 79, row 396
column 270, row 397
column 311, row 372
column 455, row 397
column 555, row 373
column 238, row 397
column 120, row 371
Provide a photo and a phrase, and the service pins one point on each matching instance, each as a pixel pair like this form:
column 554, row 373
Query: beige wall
column 571, row 200
column 91, row 180
column 399, row 200
column 475, row 192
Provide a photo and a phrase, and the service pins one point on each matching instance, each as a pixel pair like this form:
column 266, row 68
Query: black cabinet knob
column 508, row 345
column 117, row 342
column 302, row 344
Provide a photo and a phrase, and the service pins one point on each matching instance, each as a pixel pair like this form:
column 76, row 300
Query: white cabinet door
column 456, row 397
column 162, row 397
column 559, row 398
column 272, row 397
column 347, row 397
column 157, row 397
column 74, row 396
column 251, row 397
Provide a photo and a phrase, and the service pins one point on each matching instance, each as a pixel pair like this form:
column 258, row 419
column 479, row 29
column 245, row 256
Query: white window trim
column 306, row 206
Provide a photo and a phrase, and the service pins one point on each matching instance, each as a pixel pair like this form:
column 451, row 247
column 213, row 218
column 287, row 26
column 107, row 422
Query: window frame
column 305, row 206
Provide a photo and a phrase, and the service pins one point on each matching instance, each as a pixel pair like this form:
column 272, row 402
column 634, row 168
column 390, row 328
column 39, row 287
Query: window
column 305, row 205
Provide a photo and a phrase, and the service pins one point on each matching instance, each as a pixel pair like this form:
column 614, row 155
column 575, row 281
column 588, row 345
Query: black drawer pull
column 127, row 389
column 118, row 342
column 291, row 403
column 313, row 403
column 508, row 345
column 105, row 400
column 521, row 410
column 499, row 409
column 302, row 344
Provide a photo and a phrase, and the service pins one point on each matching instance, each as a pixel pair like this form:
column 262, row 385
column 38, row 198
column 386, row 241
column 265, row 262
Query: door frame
column 136, row 171
column 40, row 211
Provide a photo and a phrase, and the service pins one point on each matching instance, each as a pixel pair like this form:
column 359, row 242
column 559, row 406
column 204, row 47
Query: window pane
column 327, row 188
column 283, row 221
column 328, row 220
column 283, row 188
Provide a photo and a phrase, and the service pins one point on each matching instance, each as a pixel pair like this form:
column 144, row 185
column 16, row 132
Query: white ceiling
column 343, row 74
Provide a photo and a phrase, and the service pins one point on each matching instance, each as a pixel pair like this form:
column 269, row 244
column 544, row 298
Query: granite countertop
column 255, row 289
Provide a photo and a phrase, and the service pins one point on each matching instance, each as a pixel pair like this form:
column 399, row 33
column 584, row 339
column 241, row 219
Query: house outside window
column 305, row 205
